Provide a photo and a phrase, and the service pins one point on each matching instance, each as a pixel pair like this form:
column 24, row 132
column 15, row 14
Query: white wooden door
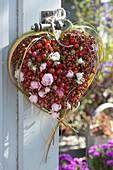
column 23, row 129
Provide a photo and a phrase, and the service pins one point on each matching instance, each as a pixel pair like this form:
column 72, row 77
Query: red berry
column 43, row 56
column 24, row 70
column 51, row 70
column 66, row 91
column 39, row 45
column 29, row 73
column 67, row 87
column 53, row 42
column 76, row 46
column 47, row 46
column 58, row 71
column 63, row 77
column 49, row 62
column 38, row 59
column 41, row 75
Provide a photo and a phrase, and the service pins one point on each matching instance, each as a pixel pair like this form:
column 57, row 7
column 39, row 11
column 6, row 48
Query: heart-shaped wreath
column 51, row 75
column 54, row 73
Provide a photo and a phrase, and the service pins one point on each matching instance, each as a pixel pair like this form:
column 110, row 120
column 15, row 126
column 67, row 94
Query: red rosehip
column 76, row 46
column 53, row 42
column 38, row 59
column 63, row 77
column 58, row 71
column 66, row 91
column 39, row 45
column 51, row 70
column 24, row 70
column 41, row 75
column 73, row 41
column 49, row 62
column 67, row 87
column 29, row 73
column 43, row 56
column 47, row 46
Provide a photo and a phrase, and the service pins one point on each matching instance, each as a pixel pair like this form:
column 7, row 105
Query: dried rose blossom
column 47, row 79
column 56, row 107
column 33, row 98
column 19, row 75
column 70, row 74
column 43, row 66
column 55, row 56
column 36, row 85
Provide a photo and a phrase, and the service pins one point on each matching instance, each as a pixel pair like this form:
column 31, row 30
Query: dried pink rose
column 56, row 107
column 70, row 74
column 36, row 85
column 60, row 92
column 54, row 115
column 47, row 90
column 19, row 75
column 33, row 98
column 43, row 66
column 47, row 79
column 41, row 94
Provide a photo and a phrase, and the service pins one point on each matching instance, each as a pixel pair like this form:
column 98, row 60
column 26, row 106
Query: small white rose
column 70, row 74
column 19, row 75
column 43, row 66
column 80, row 61
column 55, row 56
column 56, row 107
column 79, row 76
column 54, row 115
column 41, row 94
column 33, row 98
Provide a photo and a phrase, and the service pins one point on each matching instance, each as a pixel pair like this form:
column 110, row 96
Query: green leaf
column 62, row 57
column 73, row 52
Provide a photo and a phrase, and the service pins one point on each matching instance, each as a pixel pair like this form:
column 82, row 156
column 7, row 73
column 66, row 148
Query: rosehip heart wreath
column 54, row 73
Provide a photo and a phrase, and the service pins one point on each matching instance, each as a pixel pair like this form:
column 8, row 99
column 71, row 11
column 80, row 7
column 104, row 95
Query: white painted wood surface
column 23, row 130
column 4, row 23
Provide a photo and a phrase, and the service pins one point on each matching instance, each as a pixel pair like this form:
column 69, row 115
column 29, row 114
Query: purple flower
column 70, row 167
column 110, row 143
column 94, row 8
column 97, row 154
column 108, row 18
column 109, row 154
column 77, row 161
column 65, row 157
column 105, row 146
column 109, row 162
column 92, row 2
column 108, row 25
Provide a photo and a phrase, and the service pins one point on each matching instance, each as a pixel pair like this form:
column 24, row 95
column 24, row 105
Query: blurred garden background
column 94, row 118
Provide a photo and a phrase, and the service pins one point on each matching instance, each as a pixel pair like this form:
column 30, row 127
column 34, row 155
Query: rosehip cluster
column 55, row 76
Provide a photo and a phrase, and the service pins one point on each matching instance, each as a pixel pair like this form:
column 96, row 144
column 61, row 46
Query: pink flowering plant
column 102, row 156
column 55, row 76
column 66, row 162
